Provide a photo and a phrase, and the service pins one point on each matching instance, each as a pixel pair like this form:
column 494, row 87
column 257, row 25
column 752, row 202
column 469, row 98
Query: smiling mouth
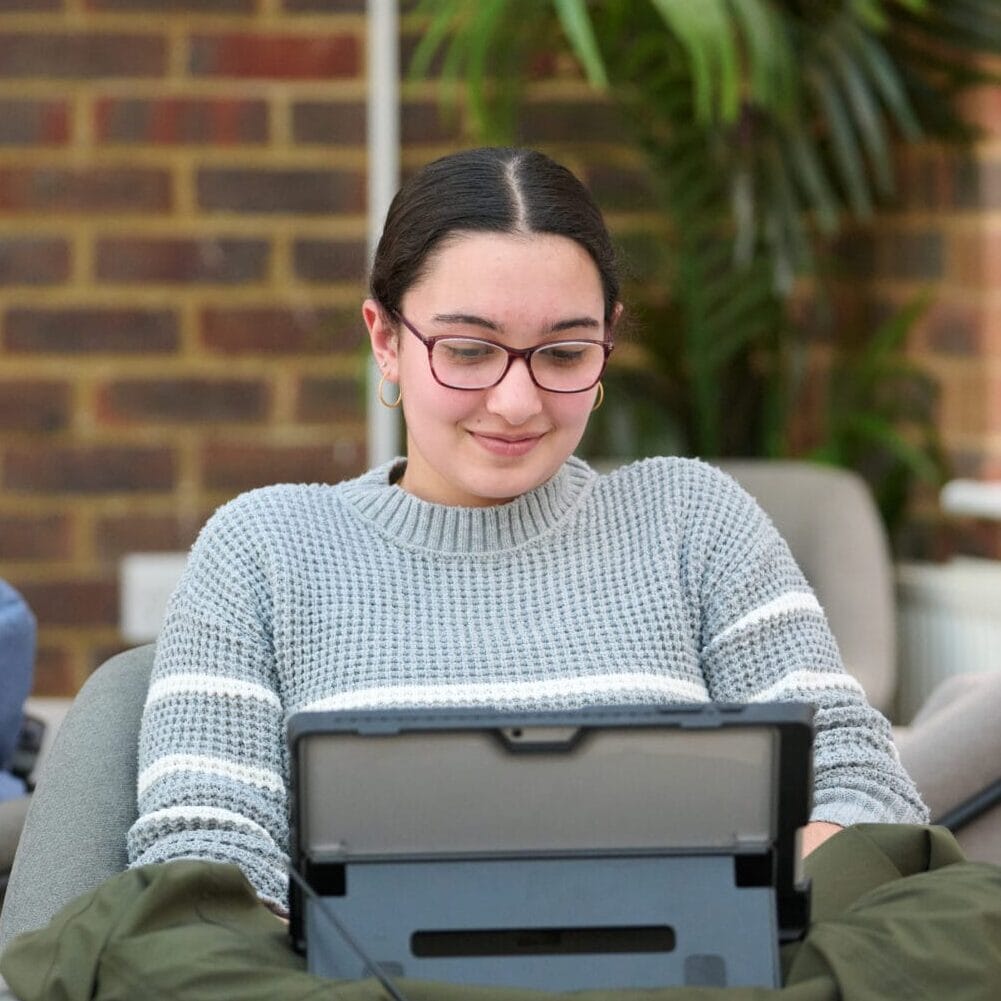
column 504, row 445
column 506, row 438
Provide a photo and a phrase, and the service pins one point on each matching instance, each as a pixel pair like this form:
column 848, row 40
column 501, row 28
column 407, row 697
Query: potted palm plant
column 768, row 125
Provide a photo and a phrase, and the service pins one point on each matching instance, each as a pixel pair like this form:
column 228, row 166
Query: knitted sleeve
column 764, row 637
column 212, row 770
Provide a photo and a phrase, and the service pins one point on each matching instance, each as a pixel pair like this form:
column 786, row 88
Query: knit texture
column 661, row 582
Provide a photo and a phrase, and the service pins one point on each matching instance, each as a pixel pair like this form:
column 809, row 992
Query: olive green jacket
column 897, row 914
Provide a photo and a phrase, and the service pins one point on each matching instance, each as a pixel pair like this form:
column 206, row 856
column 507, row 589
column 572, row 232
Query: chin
column 503, row 485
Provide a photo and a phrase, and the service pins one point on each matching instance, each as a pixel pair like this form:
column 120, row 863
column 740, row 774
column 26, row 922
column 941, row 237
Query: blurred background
column 807, row 197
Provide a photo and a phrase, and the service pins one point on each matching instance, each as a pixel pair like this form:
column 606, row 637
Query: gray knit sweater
column 661, row 582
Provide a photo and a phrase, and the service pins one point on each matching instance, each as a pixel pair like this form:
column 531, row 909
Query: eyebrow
column 479, row 321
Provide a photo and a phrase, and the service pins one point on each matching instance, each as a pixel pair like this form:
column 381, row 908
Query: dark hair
column 492, row 189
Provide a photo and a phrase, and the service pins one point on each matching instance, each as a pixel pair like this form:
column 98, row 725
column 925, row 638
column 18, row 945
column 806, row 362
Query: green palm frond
column 767, row 125
column 577, row 26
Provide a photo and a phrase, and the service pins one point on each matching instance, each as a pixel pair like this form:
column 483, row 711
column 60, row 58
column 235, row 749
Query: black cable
column 328, row 912
column 972, row 808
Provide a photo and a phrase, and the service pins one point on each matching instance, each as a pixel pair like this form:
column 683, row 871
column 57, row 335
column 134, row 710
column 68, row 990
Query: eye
column 567, row 354
column 458, row 351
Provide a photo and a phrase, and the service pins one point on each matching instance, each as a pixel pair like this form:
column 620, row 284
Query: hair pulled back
column 492, row 189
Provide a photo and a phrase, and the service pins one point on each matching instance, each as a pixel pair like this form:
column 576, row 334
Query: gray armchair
column 952, row 748
column 74, row 836
column 85, row 801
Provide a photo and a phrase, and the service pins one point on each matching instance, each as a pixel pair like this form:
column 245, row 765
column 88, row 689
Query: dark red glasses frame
column 512, row 353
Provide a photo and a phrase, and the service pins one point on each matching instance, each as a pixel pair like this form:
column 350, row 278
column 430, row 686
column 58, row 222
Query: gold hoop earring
column 382, row 399
column 600, row 398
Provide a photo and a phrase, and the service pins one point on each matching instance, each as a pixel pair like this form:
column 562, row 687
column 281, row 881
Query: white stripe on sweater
column 810, row 681
column 508, row 693
column 204, row 684
column 171, row 764
column 791, row 601
column 210, row 815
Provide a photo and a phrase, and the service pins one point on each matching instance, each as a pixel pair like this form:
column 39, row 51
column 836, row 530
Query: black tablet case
column 624, row 847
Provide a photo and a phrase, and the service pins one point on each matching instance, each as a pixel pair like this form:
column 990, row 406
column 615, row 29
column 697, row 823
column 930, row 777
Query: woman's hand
column 815, row 834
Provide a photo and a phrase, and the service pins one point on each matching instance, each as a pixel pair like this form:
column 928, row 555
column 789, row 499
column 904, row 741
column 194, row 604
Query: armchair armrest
column 952, row 749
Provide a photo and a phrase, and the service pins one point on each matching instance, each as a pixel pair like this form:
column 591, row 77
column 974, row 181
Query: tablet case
column 626, row 847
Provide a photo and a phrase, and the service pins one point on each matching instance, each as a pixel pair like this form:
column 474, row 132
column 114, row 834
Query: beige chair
column 952, row 747
column 74, row 836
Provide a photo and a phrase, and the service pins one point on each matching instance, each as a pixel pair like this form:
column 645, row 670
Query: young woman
column 490, row 567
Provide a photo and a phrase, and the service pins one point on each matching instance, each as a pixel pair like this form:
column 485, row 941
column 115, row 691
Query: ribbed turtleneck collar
column 441, row 528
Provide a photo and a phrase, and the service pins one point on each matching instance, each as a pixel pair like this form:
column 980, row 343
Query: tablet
column 623, row 847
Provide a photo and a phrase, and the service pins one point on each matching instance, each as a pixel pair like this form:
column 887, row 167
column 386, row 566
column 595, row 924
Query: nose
column 515, row 398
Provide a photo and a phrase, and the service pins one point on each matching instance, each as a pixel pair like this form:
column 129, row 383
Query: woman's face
column 480, row 447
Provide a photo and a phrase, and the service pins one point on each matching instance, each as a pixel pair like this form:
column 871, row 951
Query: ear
column 616, row 316
column 384, row 338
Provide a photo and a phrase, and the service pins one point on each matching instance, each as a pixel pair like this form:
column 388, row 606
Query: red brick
column 330, row 260
column 91, row 601
column 316, row 122
column 183, row 401
column 854, row 254
column 289, row 57
column 33, row 6
column 975, row 537
column 34, row 123
column 990, row 329
column 234, row 467
column 116, row 535
column 55, row 671
column 266, row 330
column 950, row 328
column 969, row 464
column 926, row 177
column 323, row 400
column 35, row 537
column 976, row 258
column 963, row 407
column 34, row 406
column 975, row 182
column 41, row 260
column 988, row 469
column 81, row 469
column 90, row 331
column 424, row 122
column 77, row 55
column 621, row 188
column 571, row 121
column 49, row 189
column 982, row 107
column 199, row 262
column 300, row 192
column 176, row 6
column 993, row 401
column 911, row 253
column 172, row 121
column 323, row 6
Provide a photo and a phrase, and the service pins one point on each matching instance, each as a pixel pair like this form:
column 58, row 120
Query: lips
column 507, row 445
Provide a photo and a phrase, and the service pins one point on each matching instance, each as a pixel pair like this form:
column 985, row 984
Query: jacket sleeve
column 212, row 761
column 17, row 660
column 764, row 638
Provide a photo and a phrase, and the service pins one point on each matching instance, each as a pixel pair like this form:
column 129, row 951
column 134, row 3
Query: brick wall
column 182, row 256
column 944, row 235
column 182, row 253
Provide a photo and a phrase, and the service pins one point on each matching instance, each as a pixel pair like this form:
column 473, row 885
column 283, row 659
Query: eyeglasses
column 475, row 363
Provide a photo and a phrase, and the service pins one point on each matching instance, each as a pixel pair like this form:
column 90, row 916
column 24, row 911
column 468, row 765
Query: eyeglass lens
column 565, row 366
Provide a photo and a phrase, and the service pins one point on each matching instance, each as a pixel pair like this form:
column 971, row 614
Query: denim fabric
column 17, row 660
